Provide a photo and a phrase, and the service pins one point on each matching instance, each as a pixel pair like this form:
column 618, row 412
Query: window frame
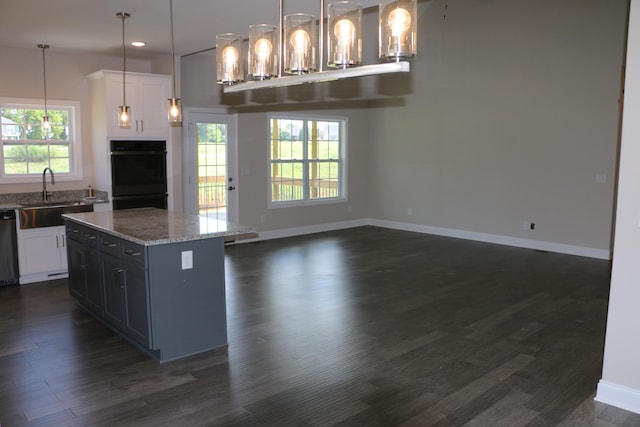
column 342, row 161
column 75, row 140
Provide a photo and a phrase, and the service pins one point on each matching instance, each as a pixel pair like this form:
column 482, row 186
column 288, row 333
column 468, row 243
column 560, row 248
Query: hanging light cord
column 173, row 55
column 44, row 74
column 123, row 16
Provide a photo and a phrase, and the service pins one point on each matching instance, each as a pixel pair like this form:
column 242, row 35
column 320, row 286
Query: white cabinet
column 42, row 254
column 146, row 95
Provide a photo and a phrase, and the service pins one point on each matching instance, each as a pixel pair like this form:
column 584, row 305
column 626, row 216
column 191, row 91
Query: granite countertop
column 18, row 200
column 151, row 226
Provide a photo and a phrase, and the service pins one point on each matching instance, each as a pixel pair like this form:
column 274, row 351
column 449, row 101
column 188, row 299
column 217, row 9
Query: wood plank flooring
column 360, row 327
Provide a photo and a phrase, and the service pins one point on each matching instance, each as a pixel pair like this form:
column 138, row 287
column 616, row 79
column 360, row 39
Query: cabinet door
column 113, row 282
column 42, row 250
column 93, row 283
column 114, row 100
column 136, row 304
column 153, row 95
column 77, row 277
column 84, row 275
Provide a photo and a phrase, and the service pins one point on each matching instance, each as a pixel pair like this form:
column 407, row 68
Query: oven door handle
column 136, row 153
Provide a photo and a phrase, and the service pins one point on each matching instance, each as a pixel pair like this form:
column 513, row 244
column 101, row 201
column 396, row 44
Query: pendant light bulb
column 174, row 112
column 124, row 112
column 46, row 124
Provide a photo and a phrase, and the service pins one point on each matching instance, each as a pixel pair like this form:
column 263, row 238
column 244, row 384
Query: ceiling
column 92, row 25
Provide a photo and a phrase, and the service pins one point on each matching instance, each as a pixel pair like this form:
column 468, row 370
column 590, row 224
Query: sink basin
column 49, row 214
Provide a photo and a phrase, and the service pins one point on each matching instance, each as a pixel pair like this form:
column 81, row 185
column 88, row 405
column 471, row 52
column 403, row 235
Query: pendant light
column 124, row 112
column 46, row 125
column 174, row 112
column 300, row 48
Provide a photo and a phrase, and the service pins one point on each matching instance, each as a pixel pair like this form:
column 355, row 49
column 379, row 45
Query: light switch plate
column 187, row 260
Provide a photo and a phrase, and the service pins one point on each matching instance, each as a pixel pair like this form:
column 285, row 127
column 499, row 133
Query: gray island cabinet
column 155, row 277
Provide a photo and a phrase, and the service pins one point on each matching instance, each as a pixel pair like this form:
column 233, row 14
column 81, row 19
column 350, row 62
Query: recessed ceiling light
column 138, row 44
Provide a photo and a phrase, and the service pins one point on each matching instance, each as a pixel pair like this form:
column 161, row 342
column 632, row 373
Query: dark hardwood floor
column 361, row 327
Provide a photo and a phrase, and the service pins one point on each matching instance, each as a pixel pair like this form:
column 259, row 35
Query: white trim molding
column 445, row 232
column 497, row 239
column 619, row 396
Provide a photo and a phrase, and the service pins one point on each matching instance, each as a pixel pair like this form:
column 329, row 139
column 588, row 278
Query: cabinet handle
column 119, row 279
column 136, row 126
column 89, row 236
column 109, row 244
column 130, row 252
column 57, row 242
column 62, row 238
column 141, row 125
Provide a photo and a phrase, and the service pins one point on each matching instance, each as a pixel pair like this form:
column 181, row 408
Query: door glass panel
column 211, row 141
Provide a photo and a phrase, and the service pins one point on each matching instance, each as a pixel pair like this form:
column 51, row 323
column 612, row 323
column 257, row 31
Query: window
column 27, row 149
column 307, row 160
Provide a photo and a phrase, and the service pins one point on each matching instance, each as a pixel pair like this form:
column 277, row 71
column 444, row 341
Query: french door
column 210, row 160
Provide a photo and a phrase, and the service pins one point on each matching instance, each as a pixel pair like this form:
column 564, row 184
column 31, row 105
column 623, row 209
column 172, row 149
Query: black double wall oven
column 139, row 174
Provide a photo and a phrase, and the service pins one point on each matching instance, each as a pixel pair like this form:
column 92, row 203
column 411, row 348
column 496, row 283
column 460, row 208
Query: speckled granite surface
column 151, row 226
column 15, row 200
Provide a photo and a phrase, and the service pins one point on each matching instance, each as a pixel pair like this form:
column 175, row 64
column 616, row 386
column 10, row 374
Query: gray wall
column 508, row 116
column 512, row 112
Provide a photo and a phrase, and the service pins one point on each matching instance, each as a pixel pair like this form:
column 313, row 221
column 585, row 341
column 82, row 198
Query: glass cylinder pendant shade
column 229, row 59
column 344, row 35
column 174, row 112
column 398, row 30
column 300, row 40
column 46, row 124
column 263, row 51
column 124, row 117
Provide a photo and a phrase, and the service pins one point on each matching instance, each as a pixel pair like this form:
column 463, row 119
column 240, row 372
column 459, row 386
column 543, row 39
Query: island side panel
column 188, row 309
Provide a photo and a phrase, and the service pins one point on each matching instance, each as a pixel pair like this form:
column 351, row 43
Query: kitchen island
column 155, row 277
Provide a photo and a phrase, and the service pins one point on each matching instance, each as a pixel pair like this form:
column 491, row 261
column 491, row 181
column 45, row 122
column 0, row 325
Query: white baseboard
column 497, row 239
column 446, row 232
column 618, row 396
column 310, row 229
column 41, row 277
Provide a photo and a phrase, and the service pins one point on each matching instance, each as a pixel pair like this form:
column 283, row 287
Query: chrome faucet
column 45, row 194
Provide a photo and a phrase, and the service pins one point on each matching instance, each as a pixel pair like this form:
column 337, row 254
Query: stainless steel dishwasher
column 9, row 274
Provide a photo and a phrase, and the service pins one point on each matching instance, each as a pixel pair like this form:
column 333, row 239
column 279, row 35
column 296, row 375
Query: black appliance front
column 138, row 174
column 143, row 201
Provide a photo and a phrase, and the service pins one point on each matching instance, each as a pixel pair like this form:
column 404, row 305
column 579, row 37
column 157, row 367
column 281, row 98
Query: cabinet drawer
column 83, row 234
column 109, row 244
column 132, row 253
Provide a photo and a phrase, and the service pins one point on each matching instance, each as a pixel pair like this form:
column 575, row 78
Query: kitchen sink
column 49, row 214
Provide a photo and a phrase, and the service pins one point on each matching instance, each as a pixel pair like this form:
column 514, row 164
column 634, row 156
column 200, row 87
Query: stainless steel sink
column 49, row 214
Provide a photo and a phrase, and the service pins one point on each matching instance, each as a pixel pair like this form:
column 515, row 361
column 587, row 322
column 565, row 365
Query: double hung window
column 306, row 160
column 28, row 148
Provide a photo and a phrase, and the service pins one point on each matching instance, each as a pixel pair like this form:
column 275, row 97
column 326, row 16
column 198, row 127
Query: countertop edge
column 244, row 230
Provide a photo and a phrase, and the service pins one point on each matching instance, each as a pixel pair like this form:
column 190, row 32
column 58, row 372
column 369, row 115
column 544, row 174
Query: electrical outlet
column 410, row 211
column 528, row 225
column 187, row 260
column 263, row 218
column 601, row 178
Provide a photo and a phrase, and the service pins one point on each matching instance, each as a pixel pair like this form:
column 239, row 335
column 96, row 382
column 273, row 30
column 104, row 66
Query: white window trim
column 75, row 137
column 344, row 161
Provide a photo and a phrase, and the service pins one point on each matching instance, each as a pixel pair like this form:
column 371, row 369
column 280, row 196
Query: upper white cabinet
column 146, row 95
